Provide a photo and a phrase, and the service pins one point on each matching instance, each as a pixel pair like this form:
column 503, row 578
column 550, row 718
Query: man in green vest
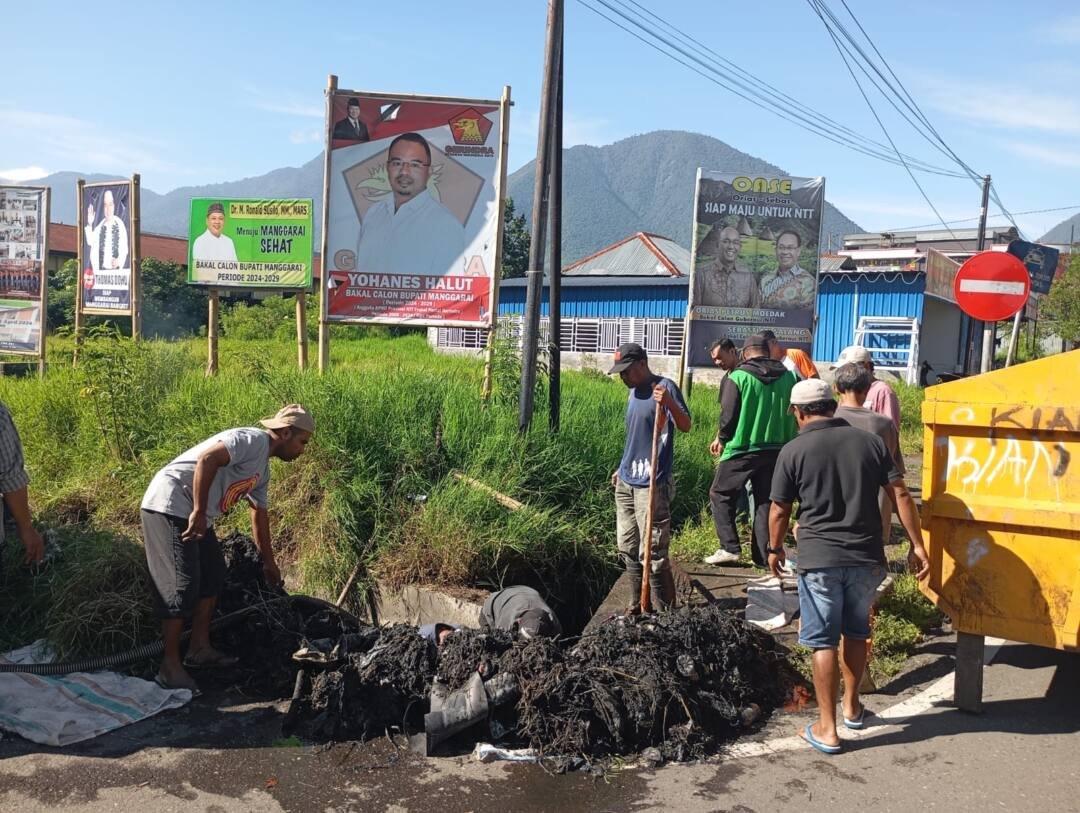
column 754, row 425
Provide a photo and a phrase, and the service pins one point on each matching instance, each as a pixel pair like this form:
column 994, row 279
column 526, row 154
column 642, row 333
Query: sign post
column 992, row 286
column 1041, row 262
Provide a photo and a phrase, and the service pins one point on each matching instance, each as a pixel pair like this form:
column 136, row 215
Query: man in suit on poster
column 351, row 128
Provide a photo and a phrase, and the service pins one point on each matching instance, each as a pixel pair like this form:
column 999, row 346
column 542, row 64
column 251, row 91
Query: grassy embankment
column 393, row 420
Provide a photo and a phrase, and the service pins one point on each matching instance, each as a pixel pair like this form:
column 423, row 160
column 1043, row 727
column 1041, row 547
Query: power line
column 908, row 100
column 814, row 4
column 709, row 70
column 976, row 217
column 765, row 87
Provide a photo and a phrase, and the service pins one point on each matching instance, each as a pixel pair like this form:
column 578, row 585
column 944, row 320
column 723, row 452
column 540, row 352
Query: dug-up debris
column 671, row 686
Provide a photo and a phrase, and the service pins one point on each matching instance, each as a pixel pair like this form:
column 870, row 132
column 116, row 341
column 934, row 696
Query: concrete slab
column 417, row 604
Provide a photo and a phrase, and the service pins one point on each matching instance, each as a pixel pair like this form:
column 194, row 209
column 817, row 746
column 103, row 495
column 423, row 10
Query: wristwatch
column 776, row 551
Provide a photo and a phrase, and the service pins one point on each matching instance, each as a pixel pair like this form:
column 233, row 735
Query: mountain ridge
column 640, row 183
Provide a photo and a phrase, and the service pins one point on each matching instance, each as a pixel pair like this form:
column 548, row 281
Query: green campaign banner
column 250, row 243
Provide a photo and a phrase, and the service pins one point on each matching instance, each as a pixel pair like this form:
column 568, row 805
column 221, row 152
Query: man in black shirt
column 835, row 471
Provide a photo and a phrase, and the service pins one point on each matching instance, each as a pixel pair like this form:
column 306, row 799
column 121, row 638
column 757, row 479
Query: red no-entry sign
column 991, row 286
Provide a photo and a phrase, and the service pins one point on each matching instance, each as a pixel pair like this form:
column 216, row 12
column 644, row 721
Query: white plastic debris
column 486, row 752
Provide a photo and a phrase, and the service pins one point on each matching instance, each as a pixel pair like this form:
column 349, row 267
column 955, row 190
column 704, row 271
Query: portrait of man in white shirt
column 212, row 245
column 107, row 241
column 409, row 231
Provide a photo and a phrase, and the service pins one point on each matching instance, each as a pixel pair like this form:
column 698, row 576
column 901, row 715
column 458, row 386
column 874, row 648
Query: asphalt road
column 216, row 754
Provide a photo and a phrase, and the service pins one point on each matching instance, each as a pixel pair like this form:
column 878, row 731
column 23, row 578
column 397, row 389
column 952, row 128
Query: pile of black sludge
column 680, row 682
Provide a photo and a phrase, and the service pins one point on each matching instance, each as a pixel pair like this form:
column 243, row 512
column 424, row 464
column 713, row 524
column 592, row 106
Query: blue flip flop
column 808, row 735
column 858, row 722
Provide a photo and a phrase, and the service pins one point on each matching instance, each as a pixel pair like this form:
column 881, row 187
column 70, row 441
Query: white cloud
column 1008, row 107
column 86, row 145
column 1065, row 30
column 1046, row 155
column 307, row 136
column 21, row 174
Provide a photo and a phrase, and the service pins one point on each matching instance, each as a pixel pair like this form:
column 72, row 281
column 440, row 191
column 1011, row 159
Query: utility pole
column 555, row 279
column 535, row 275
column 988, row 327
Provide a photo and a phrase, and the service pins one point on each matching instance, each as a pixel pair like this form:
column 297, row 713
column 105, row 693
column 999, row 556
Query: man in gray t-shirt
column 182, row 552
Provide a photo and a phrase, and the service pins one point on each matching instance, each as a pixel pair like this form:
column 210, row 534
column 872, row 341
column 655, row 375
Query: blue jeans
column 835, row 601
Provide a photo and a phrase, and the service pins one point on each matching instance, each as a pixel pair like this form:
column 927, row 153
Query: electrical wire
column 976, row 217
column 909, row 102
column 814, row 4
column 764, row 87
column 710, row 71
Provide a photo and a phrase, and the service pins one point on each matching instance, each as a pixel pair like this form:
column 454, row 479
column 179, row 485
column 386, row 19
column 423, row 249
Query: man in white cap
column 880, row 398
column 183, row 554
column 834, row 471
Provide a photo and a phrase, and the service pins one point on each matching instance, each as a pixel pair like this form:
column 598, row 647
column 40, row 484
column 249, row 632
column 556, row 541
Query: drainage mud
column 673, row 686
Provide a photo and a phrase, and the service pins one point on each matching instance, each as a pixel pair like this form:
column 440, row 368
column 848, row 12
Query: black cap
column 759, row 340
column 215, row 207
column 353, row 102
column 536, row 624
column 626, row 355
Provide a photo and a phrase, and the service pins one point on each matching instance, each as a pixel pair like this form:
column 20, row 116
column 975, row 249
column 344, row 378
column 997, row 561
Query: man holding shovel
column 653, row 405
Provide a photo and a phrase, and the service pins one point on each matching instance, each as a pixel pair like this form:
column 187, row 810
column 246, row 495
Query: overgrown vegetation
column 1061, row 308
column 393, row 420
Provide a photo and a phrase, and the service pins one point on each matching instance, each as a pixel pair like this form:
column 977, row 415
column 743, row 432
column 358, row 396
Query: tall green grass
column 393, row 419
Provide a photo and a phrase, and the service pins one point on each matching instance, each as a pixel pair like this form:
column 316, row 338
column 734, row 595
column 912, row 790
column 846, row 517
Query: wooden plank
column 499, row 497
column 212, row 333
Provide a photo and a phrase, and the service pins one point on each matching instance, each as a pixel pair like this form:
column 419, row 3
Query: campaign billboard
column 108, row 247
column 23, row 223
column 412, row 218
column 755, row 259
column 250, row 243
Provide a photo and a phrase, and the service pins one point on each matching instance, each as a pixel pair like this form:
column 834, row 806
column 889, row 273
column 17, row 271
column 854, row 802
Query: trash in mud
column 666, row 687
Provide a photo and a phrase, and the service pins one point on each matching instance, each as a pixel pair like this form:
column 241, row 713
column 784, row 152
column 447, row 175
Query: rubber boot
column 633, row 592
column 658, row 593
column 461, row 709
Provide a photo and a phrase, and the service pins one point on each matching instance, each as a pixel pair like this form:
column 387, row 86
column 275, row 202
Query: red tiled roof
column 159, row 246
column 62, row 240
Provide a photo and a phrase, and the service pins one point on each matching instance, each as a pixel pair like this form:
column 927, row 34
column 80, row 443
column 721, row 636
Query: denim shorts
column 835, row 601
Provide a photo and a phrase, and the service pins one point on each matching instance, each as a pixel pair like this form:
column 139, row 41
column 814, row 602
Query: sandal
column 825, row 748
column 214, row 660
column 859, row 721
column 159, row 679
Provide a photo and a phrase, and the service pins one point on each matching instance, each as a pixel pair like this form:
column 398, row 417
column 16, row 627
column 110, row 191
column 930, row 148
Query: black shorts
column 182, row 572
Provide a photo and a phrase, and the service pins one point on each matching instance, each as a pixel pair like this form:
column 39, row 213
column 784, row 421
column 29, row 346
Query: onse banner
column 23, row 213
column 412, row 220
column 755, row 259
column 250, row 243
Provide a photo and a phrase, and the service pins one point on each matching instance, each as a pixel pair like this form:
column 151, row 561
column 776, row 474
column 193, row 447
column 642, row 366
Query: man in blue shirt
column 631, row 480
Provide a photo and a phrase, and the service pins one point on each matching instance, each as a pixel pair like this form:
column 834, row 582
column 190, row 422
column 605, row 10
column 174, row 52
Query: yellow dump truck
column 1001, row 509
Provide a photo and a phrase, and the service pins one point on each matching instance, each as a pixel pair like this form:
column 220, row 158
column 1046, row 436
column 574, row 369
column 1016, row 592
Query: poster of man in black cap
column 212, row 245
column 351, row 128
column 755, row 259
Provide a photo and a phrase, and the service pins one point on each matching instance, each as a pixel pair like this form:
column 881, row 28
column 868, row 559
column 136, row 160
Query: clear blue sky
column 212, row 92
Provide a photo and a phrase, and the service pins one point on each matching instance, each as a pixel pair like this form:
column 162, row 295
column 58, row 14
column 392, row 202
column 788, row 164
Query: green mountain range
column 644, row 183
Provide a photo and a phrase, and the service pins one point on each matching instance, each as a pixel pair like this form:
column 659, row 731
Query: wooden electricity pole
column 555, row 278
column 535, row 274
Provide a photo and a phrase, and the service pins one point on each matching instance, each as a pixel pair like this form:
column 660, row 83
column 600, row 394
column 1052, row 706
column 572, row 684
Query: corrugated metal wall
column 622, row 301
column 843, row 299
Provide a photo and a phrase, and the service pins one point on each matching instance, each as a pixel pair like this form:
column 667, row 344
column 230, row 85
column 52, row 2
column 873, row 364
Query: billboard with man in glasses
column 412, row 221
